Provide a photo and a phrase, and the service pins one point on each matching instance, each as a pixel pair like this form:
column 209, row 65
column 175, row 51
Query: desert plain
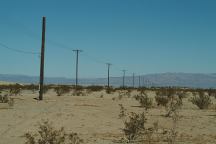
column 94, row 116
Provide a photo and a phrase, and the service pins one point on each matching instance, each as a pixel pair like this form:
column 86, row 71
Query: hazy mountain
column 163, row 79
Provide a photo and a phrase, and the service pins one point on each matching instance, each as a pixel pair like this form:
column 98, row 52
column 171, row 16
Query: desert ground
column 95, row 117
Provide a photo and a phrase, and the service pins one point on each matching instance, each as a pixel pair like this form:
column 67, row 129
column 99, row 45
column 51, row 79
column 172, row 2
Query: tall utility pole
column 42, row 59
column 123, row 82
column 77, row 61
column 133, row 80
column 108, row 78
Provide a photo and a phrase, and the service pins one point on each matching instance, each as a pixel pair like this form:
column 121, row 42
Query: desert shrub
column 161, row 100
column 144, row 100
column 78, row 88
column 47, row 134
column 45, row 89
column 32, row 87
column 211, row 92
column 78, row 93
column 121, row 94
column 181, row 94
column 202, row 101
column 60, row 90
column 101, row 96
column 94, row 88
column 74, row 138
column 15, row 89
column 174, row 104
column 108, row 91
column 172, row 133
column 4, row 98
column 134, row 126
column 123, row 110
column 11, row 102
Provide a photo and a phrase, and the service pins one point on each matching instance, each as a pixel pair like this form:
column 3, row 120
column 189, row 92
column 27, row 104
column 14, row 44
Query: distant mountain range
column 193, row 80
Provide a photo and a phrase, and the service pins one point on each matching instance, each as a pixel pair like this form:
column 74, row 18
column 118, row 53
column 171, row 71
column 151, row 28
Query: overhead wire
column 54, row 43
column 18, row 50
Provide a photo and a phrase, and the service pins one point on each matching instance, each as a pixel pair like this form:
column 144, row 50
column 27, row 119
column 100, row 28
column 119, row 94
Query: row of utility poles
column 77, row 51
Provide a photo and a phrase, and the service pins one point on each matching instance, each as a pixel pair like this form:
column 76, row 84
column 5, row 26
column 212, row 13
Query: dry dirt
column 96, row 118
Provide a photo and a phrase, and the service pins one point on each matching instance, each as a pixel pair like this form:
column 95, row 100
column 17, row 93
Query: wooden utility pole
column 77, row 62
column 42, row 59
column 108, row 78
column 123, row 82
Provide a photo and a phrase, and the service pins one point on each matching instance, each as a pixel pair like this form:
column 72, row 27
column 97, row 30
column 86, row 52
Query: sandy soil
column 96, row 119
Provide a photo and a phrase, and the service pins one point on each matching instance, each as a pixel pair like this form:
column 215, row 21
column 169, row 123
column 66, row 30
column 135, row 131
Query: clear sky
column 141, row 36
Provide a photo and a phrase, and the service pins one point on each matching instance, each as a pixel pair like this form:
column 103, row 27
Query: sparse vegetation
column 202, row 101
column 94, row 88
column 15, row 89
column 46, row 89
column 32, row 88
column 47, row 134
column 78, row 93
column 122, row 111
column 135, row 129
column 63, row 89
column 144, row 100
column 3, row 98
column 161, row 100
column 6, row 99
column 174, row 104
column 134, row 126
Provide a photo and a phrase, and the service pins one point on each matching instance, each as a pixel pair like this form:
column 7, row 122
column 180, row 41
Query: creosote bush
column 175, row 103
column 162, row 100
column 134, row 126
column 202, row 101
column 211, row 92
column 6, row 99
column 32, row 87
column 78, row 93
column 47, row 134
column 122, row 111
column 63, row 89
column 94, row 88
column 3, row 98
column 15, row 89
column 45, row 89
column 144, row 100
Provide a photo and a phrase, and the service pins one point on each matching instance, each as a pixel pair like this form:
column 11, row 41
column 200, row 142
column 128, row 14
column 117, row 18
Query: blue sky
column 141, row 36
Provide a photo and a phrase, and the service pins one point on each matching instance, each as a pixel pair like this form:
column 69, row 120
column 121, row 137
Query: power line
column 17, row 50
column 96, row 60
